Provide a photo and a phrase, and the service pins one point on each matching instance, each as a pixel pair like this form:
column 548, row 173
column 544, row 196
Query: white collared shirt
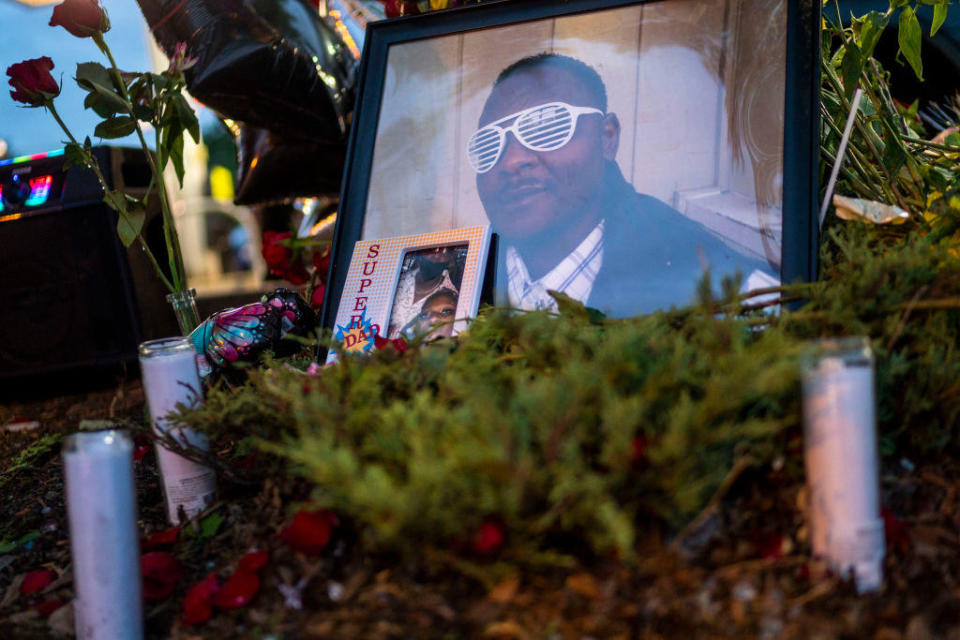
column 574, row 275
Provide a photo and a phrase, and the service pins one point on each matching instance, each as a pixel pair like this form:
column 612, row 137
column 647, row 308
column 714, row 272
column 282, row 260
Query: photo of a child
column 427, row 291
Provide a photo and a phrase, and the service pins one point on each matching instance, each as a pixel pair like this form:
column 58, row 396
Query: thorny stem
column 175, row 258
column 95, row 167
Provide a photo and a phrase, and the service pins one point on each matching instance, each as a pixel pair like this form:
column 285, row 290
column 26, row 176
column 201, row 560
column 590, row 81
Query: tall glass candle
column 102, row 512
column 840, row 455
column 170, row 377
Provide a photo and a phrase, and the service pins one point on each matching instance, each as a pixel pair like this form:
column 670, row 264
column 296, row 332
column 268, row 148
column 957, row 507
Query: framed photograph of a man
column 422, row 286
column 618, row 148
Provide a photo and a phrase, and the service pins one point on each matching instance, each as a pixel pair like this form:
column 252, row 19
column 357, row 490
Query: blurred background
column 220, row 229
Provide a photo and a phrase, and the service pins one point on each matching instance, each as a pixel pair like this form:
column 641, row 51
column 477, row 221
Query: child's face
column 441, row 308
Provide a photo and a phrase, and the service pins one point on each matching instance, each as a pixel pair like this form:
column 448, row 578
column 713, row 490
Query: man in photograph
column 544, row 153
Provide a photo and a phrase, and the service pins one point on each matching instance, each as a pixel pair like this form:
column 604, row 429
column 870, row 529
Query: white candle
column 102, row 511
column 840, row 454
column 170, row 376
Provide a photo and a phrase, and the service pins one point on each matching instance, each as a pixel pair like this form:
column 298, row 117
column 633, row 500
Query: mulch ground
column 741, row 569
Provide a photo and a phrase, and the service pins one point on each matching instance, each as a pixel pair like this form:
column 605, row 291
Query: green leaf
column 910, row 37
column 104, row 105
column 161, row 82
column 188, row 119
column 130, row 224
column 939, row 15
column 868, row 29
column 172, row 142
column 115, row 127
column 7, row 545
column 144, row 113
column 73, row 156
column 30, row 537
column 93, row 74
column 851, row 68
column 894, row 155
column 130, row 215
column 208, row 527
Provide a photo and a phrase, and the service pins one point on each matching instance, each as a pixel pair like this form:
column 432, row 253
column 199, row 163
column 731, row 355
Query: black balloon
column 273, row 64
column 273, row 168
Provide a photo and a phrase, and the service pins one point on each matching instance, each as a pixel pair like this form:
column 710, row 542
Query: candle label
column 187, row 484
column 193, row 492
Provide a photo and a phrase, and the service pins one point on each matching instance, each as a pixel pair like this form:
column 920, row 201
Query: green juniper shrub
column 535, row 418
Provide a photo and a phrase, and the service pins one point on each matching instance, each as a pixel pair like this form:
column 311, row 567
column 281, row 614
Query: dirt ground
column 741, row 569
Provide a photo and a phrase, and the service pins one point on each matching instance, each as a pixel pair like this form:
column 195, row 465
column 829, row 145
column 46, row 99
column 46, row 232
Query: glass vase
column 184, row 305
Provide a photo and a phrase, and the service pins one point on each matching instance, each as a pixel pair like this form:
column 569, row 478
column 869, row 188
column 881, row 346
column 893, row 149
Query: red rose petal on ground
column 160, row 574
column 46, row 607
column 769, row 544
column 197, row 605
column 489, row 538
column 253, row 561
column 638, row 449
column 248, row 461
column 310, row 531
column 36, row 580
column 896, row 531
column 161, row 538
column 237, row 591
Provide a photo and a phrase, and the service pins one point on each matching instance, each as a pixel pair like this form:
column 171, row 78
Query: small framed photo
column 412, row 286
column 619, row 149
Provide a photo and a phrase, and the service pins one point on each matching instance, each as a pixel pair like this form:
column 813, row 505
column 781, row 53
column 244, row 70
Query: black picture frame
column 799, row 235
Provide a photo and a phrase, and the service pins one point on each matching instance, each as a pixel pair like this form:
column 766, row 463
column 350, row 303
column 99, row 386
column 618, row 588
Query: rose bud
column 33, row 84
column 82, row 18
column 279, row 258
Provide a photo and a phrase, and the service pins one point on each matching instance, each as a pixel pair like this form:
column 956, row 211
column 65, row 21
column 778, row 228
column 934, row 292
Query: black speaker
column 73, row 298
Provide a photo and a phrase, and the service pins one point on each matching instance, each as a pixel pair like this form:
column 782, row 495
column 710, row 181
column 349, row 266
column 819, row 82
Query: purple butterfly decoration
column 244, row 333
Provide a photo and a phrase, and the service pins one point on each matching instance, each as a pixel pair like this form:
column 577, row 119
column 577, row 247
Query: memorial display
column 580, row 132
column 524, row 414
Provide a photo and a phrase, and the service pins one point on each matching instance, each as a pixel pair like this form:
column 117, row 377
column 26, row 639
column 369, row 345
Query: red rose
column 82, row 18
column 32, row 81
column 394, row 8
column 316, row 298
column 310, row 531
column 279, row 258
column 321, row 262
